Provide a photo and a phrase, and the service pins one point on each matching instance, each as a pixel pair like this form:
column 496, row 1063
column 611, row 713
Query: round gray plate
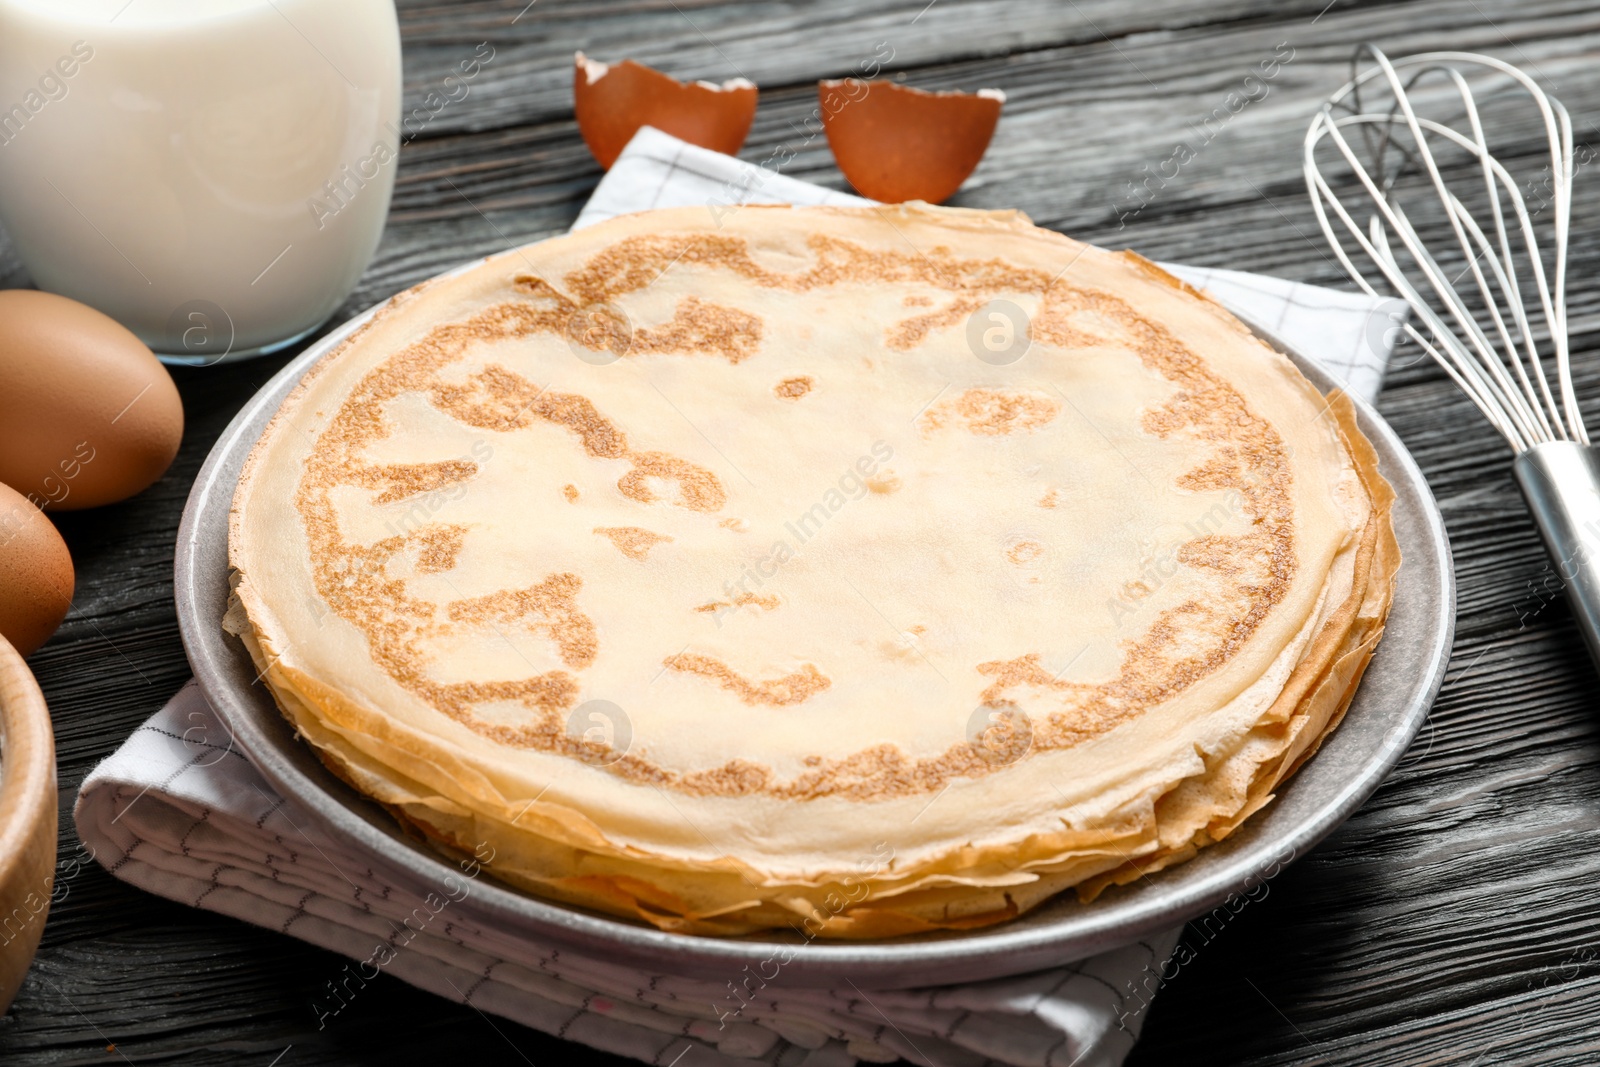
column 1390, row 705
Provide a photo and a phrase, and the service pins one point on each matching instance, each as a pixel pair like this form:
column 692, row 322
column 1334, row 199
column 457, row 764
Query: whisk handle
column 1561, row 482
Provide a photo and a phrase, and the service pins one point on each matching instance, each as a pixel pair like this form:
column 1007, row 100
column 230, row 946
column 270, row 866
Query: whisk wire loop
column 1504, row 375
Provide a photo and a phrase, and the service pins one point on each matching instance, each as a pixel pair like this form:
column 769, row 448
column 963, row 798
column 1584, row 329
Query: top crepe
column 864, row 570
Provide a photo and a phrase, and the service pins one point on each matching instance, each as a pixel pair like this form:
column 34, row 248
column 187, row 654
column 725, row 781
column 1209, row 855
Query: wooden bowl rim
column 27, row 757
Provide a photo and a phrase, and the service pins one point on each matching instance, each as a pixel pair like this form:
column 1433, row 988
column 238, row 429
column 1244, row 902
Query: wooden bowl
column 28, row 819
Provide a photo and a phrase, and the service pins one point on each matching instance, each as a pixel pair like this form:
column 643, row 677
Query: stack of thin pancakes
column 862, row 571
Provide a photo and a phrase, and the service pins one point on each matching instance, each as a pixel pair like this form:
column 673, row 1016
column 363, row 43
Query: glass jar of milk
column 214, row 174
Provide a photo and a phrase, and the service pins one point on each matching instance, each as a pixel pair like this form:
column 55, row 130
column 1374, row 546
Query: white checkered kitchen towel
column 179, row 812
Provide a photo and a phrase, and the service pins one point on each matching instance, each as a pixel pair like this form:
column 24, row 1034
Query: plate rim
column 997, row 951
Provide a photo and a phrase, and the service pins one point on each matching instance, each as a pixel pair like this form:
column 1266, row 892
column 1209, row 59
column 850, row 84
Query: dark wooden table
column 1453, row 920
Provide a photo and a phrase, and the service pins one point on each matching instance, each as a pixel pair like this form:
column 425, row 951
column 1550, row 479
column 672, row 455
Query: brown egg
column 613, row 101
column 896, row 143
column 87, row 414
column 36, row 576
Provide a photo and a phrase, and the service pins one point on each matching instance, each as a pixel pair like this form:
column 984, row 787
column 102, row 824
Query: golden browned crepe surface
column 865, row 571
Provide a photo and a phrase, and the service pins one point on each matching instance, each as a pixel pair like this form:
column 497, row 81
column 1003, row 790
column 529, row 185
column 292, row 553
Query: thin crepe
column 862, row 570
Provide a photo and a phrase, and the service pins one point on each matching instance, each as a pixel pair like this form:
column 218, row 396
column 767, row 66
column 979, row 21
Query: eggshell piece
column 895, row 143
column 88, row 415
column 36, row 577
column 613, row 100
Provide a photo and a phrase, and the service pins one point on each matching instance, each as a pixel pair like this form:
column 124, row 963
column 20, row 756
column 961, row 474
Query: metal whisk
column 1498, row 357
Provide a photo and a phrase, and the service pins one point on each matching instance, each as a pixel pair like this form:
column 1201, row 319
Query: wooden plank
column 1453, row 918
